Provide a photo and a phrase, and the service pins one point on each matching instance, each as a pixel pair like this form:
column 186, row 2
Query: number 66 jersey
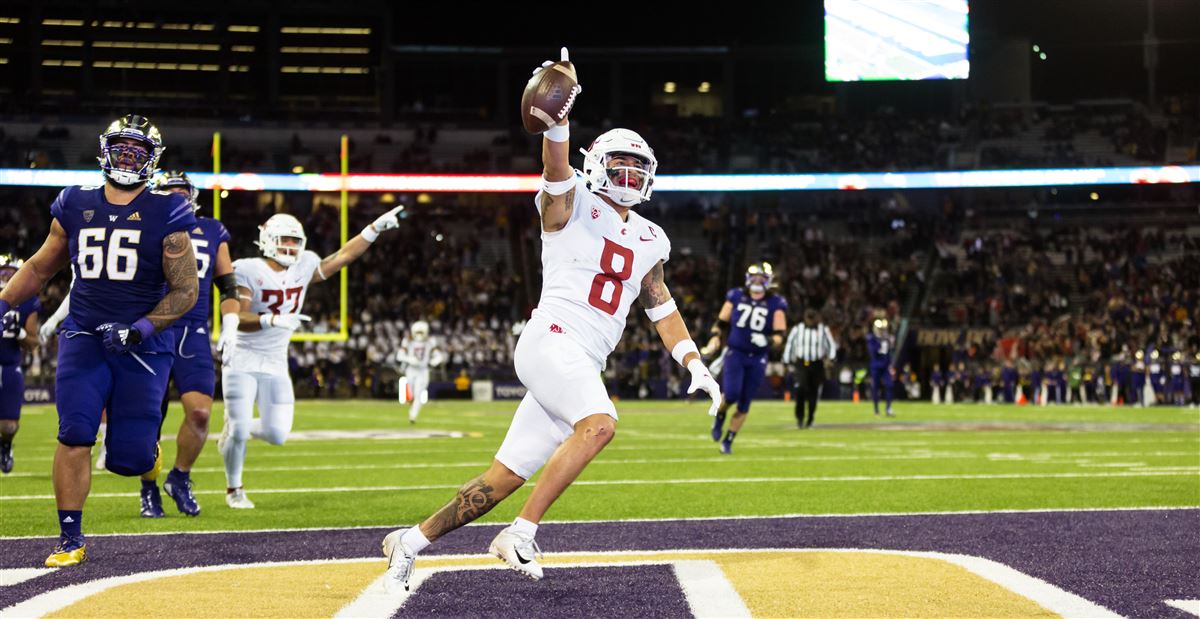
column 271, row 292
column 592, row 270
column 116, row 256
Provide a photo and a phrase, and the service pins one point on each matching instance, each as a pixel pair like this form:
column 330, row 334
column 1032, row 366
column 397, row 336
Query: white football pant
column 276, row 409
column 564, row 386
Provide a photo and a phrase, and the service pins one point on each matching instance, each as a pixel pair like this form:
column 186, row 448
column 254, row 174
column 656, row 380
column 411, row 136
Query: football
column 549, row 96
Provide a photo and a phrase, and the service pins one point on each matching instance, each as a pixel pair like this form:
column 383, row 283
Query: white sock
column 521, row 525
column 414, row 540
column 235, row 457
column 101, row 433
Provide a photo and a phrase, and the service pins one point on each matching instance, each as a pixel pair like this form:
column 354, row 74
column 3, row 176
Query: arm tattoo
column 568, row 204
column 473, row 500
column 654, row 289
column 179, row 269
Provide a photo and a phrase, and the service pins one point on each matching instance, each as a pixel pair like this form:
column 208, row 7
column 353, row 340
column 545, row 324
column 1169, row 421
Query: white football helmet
column 272, row 233
column 420, row 330
column 625, row 185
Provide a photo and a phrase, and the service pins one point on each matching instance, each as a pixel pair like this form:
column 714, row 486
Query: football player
column 418, row 353
column 135, row 275
column 18, row 333
column 598, row 255
column 48, row 330
column 752, row 321
column 193, row 372
column 879, row 347
column 271, row 290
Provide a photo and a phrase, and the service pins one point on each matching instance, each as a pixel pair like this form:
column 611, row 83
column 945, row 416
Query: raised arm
column 183, row 286
column 357, row 246
column 33, row 275
column 662, row 311
column 558, row 188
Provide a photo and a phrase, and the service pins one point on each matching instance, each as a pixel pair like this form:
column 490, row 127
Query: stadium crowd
column 1034, row 296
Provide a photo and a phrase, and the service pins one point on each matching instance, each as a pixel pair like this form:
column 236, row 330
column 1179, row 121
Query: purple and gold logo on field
column 1070, row 564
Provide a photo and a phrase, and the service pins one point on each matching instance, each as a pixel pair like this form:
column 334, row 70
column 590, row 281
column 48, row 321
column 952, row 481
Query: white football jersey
column 418, row 354
column 272, row 292
column 592, row 269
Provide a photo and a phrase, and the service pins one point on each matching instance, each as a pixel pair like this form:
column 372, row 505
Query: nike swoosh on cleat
column 523, row 560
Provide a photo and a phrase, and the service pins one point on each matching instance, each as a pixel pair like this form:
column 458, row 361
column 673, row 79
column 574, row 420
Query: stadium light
column 528, row 183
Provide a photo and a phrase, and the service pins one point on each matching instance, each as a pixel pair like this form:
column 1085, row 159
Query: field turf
column 359, row 463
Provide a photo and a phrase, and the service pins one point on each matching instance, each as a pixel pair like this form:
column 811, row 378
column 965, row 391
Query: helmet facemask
column 129, row 151
column 758, row 277
column 282, row 239
column 629, row 178
column 620, row 165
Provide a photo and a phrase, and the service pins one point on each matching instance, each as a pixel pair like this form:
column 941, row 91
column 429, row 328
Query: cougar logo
column 555, row 328
column 595, row 213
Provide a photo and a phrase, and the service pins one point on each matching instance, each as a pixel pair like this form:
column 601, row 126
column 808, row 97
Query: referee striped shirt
column 806, row 343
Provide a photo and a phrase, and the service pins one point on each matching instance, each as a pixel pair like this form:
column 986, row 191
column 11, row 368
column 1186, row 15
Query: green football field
column 359, row 463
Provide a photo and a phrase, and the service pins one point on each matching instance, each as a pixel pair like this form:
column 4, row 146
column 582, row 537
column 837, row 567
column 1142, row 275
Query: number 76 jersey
column 752, row 317
column 271, row 292
column 592, row 270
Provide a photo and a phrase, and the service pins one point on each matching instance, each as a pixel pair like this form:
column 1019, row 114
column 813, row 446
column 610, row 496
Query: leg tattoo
column 474, row 499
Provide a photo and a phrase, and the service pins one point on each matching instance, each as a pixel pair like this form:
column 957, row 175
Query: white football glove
column 564, row 57
column 291, row 322
column 47, row 331
column 758, row 339
column 227, row 342
column 388, row 221
column 702, row 379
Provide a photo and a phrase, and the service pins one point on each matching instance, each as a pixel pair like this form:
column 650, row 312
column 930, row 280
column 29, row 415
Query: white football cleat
column 519, row 551
column 400, row 561
column 237, row 499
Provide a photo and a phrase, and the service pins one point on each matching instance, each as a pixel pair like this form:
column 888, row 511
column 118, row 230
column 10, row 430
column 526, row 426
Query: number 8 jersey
column 592, row 269
column 116, row 256
column 271, row 292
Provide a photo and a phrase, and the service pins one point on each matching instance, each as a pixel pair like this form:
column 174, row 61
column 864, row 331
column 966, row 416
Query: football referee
column 809, row 346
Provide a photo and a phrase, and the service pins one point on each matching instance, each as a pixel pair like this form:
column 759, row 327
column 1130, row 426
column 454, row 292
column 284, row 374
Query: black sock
column 729, row 436
column 69, row 522
column 175, row 472
column 5, row 441
column 147, row 484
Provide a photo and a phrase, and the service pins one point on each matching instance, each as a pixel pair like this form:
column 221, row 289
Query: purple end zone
column 1128, row 561
column 642, row 591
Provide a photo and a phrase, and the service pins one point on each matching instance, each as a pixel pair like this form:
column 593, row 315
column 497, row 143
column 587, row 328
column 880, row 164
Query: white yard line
column 16, row 575
column 1034, row 458
column 1187, row 606
column 659, row 482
